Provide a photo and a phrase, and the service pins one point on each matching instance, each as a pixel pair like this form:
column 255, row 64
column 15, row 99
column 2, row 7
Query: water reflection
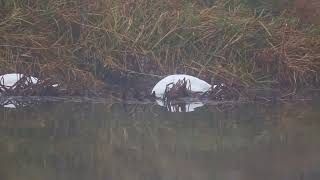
column 12, row 103
column 180, row 106
column 56, row 140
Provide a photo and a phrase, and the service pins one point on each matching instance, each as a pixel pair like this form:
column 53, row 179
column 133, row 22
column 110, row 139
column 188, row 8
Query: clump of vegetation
column 182, row 89
column 81, row 44
column 177, row 90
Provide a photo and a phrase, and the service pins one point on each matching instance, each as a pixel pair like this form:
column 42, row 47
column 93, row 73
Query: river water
column 82, row 140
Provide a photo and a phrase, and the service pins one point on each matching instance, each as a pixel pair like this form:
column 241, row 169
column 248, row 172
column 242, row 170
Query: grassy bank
column 81, row 44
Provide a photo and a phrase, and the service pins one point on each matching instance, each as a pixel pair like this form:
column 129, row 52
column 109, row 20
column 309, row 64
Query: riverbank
column 89, row 46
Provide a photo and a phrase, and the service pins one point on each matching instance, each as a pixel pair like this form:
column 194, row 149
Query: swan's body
column 9, row 80
column 196, row 84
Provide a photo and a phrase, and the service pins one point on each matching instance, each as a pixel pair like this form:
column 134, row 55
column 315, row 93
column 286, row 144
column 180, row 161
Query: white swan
column 9, row 80
column 197, row 85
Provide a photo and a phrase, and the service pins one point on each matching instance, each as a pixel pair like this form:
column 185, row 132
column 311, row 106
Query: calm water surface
column 95, row 141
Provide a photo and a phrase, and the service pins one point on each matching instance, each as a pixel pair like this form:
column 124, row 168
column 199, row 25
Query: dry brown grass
column 308, row 10
column 80, row 43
